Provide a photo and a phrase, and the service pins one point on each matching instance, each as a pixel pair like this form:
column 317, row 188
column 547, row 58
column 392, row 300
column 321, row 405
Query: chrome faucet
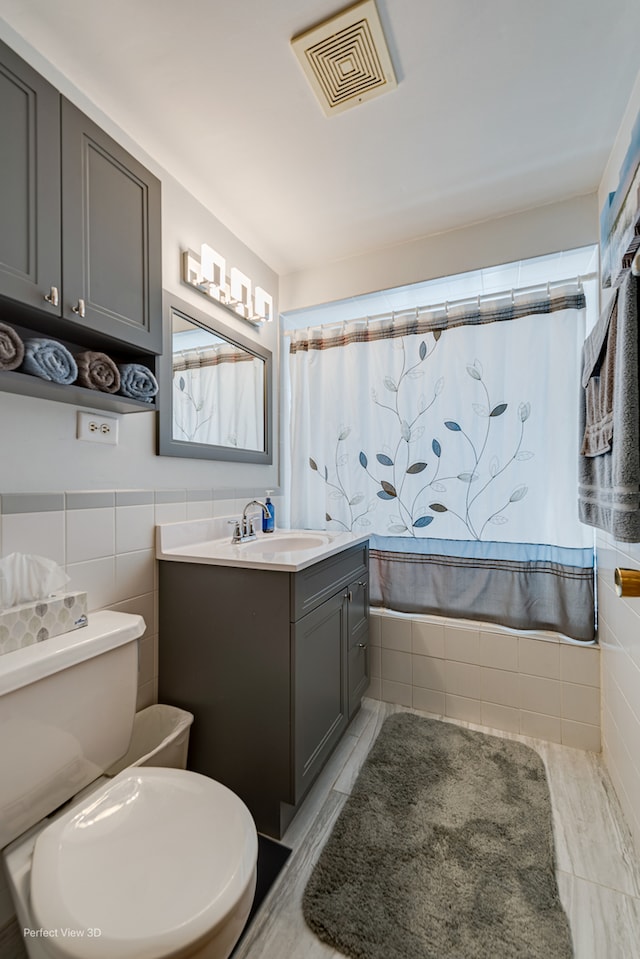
column 244, row 528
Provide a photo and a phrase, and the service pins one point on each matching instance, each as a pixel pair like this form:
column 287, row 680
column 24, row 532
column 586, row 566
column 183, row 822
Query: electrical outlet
column 96, row 428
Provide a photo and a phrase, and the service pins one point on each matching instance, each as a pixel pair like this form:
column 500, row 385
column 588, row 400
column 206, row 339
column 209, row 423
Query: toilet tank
column 66, row 714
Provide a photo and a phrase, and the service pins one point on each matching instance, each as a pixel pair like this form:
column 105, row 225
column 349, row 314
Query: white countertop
column 209, row 541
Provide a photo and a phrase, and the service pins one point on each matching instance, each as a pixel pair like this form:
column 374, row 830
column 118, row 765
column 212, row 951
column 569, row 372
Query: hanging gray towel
column 609, row 464
column 598, row 379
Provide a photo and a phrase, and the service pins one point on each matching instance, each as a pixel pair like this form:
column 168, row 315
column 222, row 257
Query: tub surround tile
column 375, row 629
column 399, row 693
column 462, row 644
column 581, row 664
column 499, row 686
column 540, row 695
column 496, row 716
column 540, row 726
column 427, row 638
column 539, row 659
column 375, row 661
column 395, row 666
column 459, row 707
column 375, row 688
column 498, row 650
column 429, row 672
column 581, row 703
column 462, row 679
column 395, row 634
column 580, row 735
column 429, row 701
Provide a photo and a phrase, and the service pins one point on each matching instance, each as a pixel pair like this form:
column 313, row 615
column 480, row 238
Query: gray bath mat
column 444, row 850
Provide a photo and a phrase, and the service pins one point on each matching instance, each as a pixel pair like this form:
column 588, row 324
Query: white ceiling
column 502, row 105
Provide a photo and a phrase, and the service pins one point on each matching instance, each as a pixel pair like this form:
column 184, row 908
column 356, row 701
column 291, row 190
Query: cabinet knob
column 363, row 645
column 80, row 308
column 53, row 296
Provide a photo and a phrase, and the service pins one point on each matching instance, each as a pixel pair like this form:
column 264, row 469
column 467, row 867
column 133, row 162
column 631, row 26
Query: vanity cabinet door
column 29, row 186
column 110, row 238
column 320, row 688
column 358, row 641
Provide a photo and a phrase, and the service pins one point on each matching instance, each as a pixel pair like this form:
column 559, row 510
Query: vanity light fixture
column 208, row 274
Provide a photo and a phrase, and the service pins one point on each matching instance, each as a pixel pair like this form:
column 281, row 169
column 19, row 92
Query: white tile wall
column 619, row 631
column 536, row 685
column 108, row 550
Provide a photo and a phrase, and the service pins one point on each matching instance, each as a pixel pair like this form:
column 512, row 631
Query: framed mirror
column 215, row 390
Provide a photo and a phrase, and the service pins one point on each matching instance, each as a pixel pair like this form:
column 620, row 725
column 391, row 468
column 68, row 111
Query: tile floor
column 598, row 871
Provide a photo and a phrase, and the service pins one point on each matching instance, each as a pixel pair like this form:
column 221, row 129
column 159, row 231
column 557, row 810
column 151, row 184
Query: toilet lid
column 149, row 862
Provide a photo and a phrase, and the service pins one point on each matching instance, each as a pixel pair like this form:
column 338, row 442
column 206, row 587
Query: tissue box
column 39, row 620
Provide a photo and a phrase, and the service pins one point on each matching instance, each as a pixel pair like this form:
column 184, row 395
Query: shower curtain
column 203, row 381
column 450, row 437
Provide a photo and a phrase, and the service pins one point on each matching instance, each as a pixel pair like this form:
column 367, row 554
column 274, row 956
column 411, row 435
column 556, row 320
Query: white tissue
column 24, row 578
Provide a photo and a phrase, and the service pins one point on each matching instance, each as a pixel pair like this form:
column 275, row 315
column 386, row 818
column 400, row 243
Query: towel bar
column 627, row 582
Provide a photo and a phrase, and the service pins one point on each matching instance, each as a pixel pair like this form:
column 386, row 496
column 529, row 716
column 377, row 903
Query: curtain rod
column 447, row 305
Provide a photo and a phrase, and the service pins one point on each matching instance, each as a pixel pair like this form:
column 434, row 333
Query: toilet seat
column 152, row 861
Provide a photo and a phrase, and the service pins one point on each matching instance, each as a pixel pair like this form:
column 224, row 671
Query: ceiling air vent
column 346, row 59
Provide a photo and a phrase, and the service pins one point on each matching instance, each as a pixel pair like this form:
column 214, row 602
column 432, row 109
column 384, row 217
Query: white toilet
column 152, row 863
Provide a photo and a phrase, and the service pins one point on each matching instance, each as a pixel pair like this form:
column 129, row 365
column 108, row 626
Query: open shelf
column 28, row 385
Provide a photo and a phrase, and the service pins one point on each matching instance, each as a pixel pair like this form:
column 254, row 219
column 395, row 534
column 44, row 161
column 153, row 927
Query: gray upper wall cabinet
column 30, row 255
column 80, row 225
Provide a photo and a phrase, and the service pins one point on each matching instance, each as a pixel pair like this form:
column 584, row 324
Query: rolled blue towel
column 49, row 360
column 137, row 382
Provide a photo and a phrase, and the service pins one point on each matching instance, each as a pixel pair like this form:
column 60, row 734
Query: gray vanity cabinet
column 272, row 664
column 79, row 221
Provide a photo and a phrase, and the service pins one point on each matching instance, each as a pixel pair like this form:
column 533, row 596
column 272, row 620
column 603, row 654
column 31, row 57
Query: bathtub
column 536, row 683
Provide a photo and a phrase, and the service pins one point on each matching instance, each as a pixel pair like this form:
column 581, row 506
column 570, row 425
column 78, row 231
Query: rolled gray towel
column 49, row 360
column 11, row 348
column 97, row 371
column 137, row 382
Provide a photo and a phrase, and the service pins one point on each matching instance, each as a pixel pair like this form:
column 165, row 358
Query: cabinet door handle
column 363, row 645
column 350, row 595
column 80, row 308
column 53, row 296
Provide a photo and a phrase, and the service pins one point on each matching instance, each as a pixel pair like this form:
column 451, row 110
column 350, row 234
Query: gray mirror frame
column 167, row 445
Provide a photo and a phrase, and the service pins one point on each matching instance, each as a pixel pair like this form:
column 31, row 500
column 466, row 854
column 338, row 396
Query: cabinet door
column 29, row 185
column 111, row 236
column 320, row 688
column 358, row 641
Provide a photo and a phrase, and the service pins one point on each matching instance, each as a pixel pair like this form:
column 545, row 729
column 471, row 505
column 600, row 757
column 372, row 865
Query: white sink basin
column 272, row 543
column 209, row 541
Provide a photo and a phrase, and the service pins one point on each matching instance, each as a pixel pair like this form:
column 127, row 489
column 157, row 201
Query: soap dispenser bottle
column 268, row 522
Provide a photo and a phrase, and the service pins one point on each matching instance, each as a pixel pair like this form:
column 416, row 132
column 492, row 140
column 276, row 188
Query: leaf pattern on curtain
column 456, row 451
column 460, row 494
